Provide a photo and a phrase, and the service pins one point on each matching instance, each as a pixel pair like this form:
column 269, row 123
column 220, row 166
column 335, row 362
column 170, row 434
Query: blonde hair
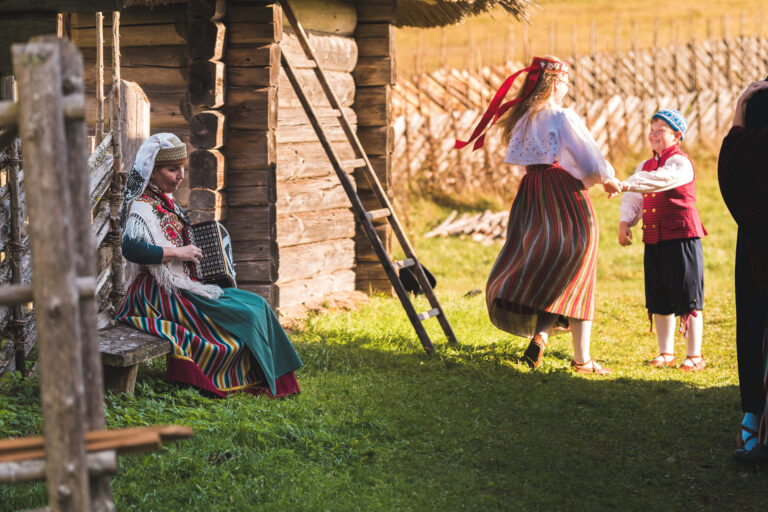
column 542, row 91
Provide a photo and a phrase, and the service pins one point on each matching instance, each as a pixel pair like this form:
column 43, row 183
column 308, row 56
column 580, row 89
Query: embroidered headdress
column 497, row 109
column 674, row 119
column 158, row 148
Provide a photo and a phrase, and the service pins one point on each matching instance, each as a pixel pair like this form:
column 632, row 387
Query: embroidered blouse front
column 558, row 134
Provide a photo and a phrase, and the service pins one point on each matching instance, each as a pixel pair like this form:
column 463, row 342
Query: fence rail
column 615, row 93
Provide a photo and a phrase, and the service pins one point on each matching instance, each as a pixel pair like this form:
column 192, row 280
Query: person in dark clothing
column 743, row 177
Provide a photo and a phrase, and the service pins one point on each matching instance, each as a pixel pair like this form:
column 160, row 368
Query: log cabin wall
column 374, row 77
column 153, row 45
column 315, row 226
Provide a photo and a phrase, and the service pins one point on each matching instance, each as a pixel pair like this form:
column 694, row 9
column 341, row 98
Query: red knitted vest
column 672, row 214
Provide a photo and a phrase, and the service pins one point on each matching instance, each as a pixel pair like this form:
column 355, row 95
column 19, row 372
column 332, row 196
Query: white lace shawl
column 144, row 226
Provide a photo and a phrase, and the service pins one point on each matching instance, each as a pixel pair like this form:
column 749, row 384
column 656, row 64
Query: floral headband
column 497, row 109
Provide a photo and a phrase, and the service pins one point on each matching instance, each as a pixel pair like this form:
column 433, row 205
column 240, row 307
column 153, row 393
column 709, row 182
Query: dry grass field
column 565, row 26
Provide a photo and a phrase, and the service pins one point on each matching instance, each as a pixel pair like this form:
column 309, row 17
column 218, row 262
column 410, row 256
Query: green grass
column 382, row 426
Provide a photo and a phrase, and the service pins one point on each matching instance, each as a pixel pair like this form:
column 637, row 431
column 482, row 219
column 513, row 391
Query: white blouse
column 558, row 133
column 675, row 172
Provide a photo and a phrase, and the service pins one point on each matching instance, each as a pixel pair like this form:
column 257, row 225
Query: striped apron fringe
column 549, row 259
column 204, row 354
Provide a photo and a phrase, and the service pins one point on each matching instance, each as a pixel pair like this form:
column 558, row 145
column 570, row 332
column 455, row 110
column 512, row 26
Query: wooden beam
column 206, row 83
column 18, row 6
column 205, row 40
column 206, row 169
column 208, row 130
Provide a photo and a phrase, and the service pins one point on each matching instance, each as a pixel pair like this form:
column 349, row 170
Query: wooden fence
column 615, row 93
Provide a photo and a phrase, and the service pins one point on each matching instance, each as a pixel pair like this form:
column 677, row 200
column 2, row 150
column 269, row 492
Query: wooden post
column 636, row 57
column 99, row 77
column 17, row 321
column 617, row 59
column 727, row 40
column 118, row 176
column 41, row 126
column 654, row 57
column 85, row 261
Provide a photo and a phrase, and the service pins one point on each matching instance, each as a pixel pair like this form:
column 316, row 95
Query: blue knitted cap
column 674, row 119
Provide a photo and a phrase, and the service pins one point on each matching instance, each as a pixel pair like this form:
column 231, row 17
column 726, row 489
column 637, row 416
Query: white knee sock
column 665, row 333
column 695, row 332
column 581, row 331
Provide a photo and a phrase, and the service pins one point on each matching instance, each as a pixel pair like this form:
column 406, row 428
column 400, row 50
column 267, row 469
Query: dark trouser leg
column 545, row 321
column 750, row 333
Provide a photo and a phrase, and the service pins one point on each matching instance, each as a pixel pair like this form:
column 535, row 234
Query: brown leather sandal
column 590, row 367
column 535, row 350
column 694, row 366
column 661, row 361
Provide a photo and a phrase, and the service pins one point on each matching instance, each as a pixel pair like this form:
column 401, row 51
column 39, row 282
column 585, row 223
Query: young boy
column 662, row 192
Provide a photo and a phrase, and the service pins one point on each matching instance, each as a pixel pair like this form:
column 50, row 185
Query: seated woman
column 224, row 340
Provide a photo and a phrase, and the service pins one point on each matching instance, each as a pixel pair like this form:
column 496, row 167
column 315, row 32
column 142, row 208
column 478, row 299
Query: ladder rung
column 428, row 314
column 349, row 165
column 378, row 214
column 405, row 263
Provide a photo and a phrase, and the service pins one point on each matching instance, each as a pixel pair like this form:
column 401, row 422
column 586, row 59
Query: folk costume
column 223, row 340
column 549, row 260
column 742, row 177
column 662, row 192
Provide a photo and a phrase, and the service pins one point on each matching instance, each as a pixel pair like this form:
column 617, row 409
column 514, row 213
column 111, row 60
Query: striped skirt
column 234, row 343
column 549, row 259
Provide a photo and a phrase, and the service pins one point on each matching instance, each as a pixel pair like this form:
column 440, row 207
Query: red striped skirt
column 549, row 259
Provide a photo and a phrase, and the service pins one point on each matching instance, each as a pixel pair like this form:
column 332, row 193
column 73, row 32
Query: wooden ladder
column 366, row 217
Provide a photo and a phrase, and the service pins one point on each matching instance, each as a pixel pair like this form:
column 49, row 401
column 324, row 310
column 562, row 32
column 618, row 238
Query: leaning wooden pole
column 85, row 263
column 99, row 77
column 17, row 320
column 118, row 176
column 41, row 126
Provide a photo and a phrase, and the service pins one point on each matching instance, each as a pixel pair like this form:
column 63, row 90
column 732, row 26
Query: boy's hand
column 625, row 234
column 613, row 187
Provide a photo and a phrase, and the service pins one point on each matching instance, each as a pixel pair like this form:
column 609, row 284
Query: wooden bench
column 122, row 349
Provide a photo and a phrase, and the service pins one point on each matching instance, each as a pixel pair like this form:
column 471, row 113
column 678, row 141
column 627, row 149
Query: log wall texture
column 374, row 77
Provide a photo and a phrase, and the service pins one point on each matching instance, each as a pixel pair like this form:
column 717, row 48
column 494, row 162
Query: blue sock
column 752, row 421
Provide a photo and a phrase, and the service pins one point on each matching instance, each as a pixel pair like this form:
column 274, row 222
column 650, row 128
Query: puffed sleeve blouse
column 558, row 134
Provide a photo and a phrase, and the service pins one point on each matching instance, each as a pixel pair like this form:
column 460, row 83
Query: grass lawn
column 382, row 426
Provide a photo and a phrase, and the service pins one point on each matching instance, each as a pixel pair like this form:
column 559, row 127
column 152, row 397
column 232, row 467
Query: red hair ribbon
column 496, row 109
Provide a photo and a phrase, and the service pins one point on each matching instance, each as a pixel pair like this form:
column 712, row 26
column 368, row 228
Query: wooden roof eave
column 19, row 6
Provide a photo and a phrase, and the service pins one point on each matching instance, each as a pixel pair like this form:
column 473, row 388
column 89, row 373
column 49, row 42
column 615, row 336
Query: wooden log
column 89, row 6
column 332, row 17
column 375, row 39
column 136, row 15
column 249, row 56
column 37, row 69
column 253, row 76
column 257, row 195
column 267, row 291
column 251, row 108
column 206, row 169
column 377, row 140
column 264, row 271
column 308, row 160
column 316, row 287
column 206, row 199
column 205, row 40
column 255, row 12
column 250, row 149
column 310, row 195
column 247, row 250
column 375, row 71
column 100, row 464
column 373, row 105
column 342, row 83
column 334, row 53
column 252, row 32
column 167, row 56
column 251, row 224
column 135, row 121
column 294, row 126
column 208, row 130
column 311, row 227
column 382, row 166
column 164, row 72
column 155, row 34
column 376, row 11
column 375, row 286
column 206, row 83
column 251, row 177
column 307, row 260
column 207, row 9
column 168, row 109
